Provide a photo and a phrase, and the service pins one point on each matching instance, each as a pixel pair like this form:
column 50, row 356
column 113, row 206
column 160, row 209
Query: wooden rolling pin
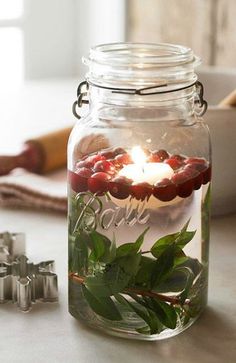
column 39, row 155
column 229, row 100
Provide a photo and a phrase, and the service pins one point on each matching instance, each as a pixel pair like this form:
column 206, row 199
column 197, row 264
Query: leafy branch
column 173, row 300
column 157, row 286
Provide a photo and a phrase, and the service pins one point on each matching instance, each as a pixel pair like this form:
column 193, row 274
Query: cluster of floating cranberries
column 99, row 174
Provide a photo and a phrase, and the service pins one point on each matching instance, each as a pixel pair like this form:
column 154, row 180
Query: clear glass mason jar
column 139, row 171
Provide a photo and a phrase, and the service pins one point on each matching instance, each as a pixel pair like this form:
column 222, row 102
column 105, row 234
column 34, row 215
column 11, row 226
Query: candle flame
column 138, row 155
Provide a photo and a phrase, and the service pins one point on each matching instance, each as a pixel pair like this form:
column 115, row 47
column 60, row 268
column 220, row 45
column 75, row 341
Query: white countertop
column 49, row 334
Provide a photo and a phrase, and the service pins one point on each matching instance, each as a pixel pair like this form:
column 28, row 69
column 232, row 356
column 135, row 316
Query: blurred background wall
column 207, row 26
column 46, row 39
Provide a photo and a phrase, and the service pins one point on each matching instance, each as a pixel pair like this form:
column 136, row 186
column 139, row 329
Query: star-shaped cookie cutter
column 21, row 281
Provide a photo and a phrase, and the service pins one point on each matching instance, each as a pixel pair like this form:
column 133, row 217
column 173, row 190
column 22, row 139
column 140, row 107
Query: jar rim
column 126, row 64
column 142, row 53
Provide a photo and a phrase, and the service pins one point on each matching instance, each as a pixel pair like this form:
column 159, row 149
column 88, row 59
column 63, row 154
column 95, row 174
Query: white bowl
column 219, row 83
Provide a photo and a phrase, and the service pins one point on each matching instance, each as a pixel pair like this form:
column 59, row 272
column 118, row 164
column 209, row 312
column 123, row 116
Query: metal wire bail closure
column 82, row 92
column 200, row 103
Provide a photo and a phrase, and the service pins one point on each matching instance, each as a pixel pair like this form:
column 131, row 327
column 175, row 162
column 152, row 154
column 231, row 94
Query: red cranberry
column 98, row 183
column 158, row 156
column 85, row 172
column 141, row 191
column 104, row 166
column 94, row 158
column 184, row 183
column 123, row 159
column 115, row 163
column 165, row 190
column 79, row 179
column 174, row 163
column 179, row 157
column 84, row 164
column 107, row 154
column 195, row 175
column 195, row 160
column 119, row 187
column 198, row 166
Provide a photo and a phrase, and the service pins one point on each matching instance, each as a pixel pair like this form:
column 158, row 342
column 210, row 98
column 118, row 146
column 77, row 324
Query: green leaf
column 121, row 271
column 97, row 246
column 126, row 249
column 193, row 264
column 161, row 244
column 110, row 250
column 198, row 300
column 180, row 238
column 129, row 248
column 163, row 266
column 186, row 319
column 121, row 300
column 129, row 264
column 116, row 276
column 145, row 271
column 140, row 239
column 103, row 250
column 139, row 300
column 189, row 282
column 175, row 282
column 148, row 316
column 180, row 280
column 97, row 286
column 185, row 227
column 179, row 260
column 79, row 253
column 153, row 325
column 104, row 307
column 143, row 330
column 184, row 238
column 165, row 312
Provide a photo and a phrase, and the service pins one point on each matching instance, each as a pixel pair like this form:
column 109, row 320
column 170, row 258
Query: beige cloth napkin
column 22, row 189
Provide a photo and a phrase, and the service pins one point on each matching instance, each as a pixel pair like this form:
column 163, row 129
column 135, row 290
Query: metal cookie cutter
column 12, row 245
column 24, row 282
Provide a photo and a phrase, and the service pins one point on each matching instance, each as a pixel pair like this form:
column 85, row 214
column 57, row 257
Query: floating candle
column 141, row 171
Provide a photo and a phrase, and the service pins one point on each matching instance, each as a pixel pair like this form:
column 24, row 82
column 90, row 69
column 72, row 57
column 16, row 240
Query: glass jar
column 139, row 172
